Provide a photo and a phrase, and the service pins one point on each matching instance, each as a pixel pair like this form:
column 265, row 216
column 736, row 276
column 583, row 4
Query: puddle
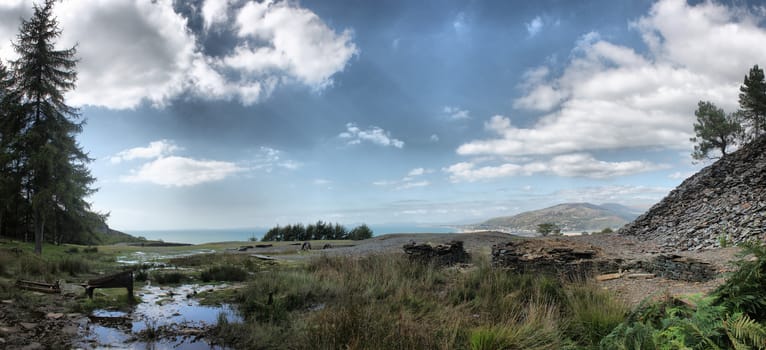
column 181, row 319
column 138, row 257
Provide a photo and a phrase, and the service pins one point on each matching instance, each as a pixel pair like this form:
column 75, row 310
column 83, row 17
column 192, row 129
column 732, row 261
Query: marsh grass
column 223, row 273
column 387, row 302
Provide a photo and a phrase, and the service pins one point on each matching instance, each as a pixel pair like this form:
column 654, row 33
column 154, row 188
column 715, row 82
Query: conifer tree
column 752, row 100
column 58, row 179
column 714, row 130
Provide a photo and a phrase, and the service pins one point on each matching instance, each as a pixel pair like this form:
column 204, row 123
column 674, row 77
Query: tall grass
column 387, row 302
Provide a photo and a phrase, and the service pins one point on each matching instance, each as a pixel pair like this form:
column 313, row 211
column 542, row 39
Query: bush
column 224, row 274
column 73, row 265
column 172, row 277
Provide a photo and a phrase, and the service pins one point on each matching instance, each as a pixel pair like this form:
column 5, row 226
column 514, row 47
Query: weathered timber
column 43, row 287
column 118, row 280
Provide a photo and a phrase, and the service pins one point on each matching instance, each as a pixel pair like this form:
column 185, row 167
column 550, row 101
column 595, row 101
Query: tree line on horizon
column 318, row 231
column 44, row 178
column 718, row 132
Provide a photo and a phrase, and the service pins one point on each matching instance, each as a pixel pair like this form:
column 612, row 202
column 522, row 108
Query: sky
column 238, row 113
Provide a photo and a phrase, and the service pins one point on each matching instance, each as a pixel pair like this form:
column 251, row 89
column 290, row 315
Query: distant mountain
column 571, row 217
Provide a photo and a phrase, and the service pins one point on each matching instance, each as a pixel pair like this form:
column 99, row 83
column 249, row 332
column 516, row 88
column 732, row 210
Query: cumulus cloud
column 168, row 170
column 374, row 134
column 609, row 96
column 132, row 51
column 155, row 149
column 177, row 171
column 568, row 165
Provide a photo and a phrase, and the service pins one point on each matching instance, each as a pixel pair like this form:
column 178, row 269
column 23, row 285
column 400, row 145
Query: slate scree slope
column 724, row 201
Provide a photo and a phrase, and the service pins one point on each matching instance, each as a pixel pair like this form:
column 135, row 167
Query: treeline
column 44, row 178
column 318, row 231
column 717, row 132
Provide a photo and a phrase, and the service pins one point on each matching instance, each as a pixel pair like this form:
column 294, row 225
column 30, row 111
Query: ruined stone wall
column 726, row 199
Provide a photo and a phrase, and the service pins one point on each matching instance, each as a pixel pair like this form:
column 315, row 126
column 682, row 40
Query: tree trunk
column 39, row 228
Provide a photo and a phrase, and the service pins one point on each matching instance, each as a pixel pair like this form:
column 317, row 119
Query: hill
column 571, row 217
column 724, row 202
column 106, row 235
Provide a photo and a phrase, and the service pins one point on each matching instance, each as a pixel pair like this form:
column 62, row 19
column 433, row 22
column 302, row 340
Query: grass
column 386, row 302
column 223, row 273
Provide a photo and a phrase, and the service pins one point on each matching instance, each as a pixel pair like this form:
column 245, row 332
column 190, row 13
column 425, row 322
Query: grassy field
column 388, row 302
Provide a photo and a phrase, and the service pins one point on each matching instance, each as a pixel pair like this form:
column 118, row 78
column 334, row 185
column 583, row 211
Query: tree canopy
column 714, row 130
column 752, row 101
column 45, row 174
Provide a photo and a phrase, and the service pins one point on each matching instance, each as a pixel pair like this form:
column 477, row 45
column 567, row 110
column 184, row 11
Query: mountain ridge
column 570, row 217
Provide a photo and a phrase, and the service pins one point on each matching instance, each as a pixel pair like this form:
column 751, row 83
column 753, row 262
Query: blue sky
column 235, row 113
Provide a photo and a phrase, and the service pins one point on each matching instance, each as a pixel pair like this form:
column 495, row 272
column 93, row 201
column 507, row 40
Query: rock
column 7, row 301
column 8, row 330
column 54, row 315
column 28, row 326
column 33, row 346
column 640, row 275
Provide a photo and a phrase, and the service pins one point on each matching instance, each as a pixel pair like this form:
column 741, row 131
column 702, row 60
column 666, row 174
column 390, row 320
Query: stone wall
column 680, row 268
column 524, row 256
column 726, row 199
column 440, row 255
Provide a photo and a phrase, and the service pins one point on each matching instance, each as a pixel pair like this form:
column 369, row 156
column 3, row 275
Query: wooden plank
column 608, row 276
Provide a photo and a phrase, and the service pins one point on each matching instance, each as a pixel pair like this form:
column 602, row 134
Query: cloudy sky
column 239, row 113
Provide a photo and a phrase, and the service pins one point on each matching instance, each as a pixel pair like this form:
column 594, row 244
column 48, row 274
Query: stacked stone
column 558, row 260
column 680, row 268
column 724, row 202
column 441, row 255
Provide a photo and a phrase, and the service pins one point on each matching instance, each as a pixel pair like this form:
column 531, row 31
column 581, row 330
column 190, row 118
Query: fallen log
column 54, row 288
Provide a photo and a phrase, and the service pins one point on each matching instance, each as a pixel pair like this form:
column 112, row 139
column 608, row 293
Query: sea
column 200, row 236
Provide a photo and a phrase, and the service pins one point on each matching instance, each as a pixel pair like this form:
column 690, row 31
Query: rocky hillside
column 726, row 200
column 571, row 217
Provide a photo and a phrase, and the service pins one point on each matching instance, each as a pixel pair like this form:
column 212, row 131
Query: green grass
column 223, row 273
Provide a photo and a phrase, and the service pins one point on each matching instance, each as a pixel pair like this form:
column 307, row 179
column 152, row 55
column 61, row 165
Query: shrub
column 72, row 250
column 73, row 265
column 592, row 313
column 90, row 250
column 224, row 274
column 172, row 277
column 743, row 290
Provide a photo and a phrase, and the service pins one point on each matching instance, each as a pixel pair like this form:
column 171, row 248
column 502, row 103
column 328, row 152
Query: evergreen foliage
column 714, row 130
column 548, row 228
column 318, row 231
column 752, row 101
column 45, row 178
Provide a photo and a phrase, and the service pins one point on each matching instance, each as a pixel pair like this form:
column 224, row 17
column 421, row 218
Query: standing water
column 170, row 316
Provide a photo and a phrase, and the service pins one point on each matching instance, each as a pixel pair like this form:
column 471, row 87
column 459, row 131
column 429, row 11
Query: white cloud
column 214, row 12
column 322, row 182
column 604, row 194
column 374, row 134
column 455, row 113
column 142, row 50
column 155, row 149
column 268, row 158
column 434, row 138
column 176, row 171
column 534, row 26
column 568, row 165
column 408, row 181
column 611, row 97
column 301, row 44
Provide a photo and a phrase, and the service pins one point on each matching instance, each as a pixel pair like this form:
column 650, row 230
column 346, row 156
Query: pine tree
column 714, row 130
column 752, row 100
column 58, row 179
